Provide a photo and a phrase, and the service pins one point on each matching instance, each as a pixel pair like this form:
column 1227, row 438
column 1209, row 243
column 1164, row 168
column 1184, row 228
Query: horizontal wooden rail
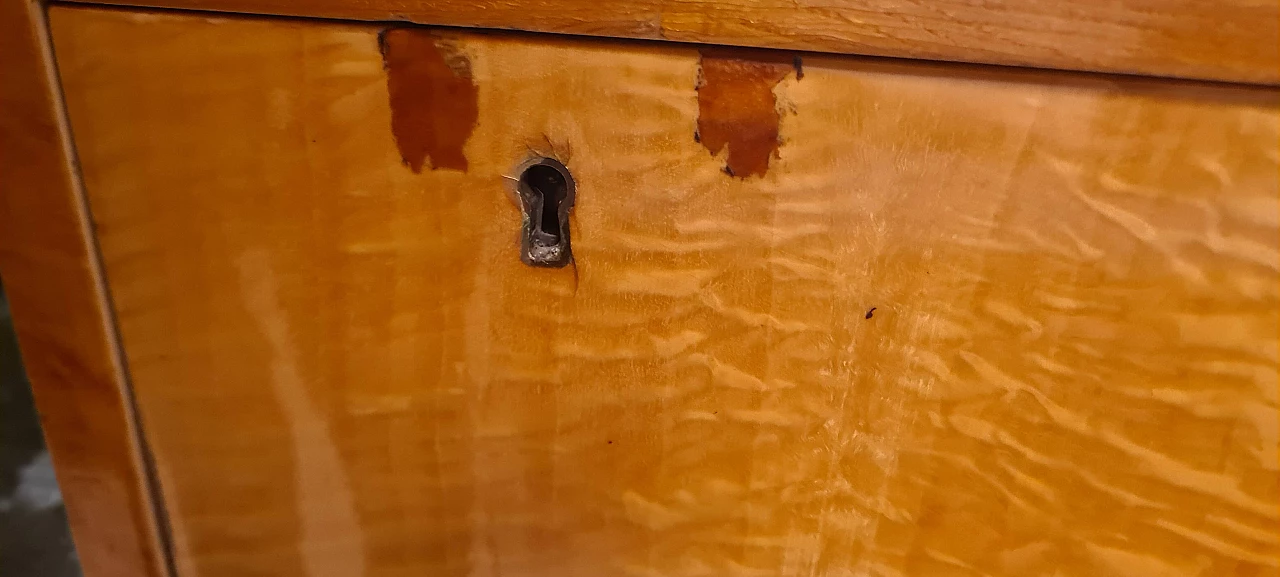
column 1229, row 40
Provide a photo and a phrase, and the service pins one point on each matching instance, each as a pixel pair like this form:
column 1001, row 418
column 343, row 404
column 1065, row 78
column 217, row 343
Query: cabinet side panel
column 62, row 317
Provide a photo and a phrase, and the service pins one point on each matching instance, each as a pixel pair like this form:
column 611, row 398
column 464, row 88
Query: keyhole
column 546, row 195
column 548, row 188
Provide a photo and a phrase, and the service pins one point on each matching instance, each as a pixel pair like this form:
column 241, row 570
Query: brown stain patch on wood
column 434, row 104
column 737, row 107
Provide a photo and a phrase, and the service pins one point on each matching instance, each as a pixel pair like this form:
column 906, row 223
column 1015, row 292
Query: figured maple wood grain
column 1233, row 40
column 346, row 370
column 61, row 316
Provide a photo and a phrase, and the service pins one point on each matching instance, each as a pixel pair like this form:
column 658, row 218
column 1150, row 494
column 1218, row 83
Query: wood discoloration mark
column 433, row 98
column 737, row 107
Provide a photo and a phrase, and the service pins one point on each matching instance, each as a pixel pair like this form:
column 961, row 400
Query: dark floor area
column 34, row 541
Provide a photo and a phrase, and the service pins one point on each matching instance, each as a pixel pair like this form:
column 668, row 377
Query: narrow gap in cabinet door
column 161, row 527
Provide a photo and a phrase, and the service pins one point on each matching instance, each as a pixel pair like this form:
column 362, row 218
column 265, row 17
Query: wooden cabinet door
column 824, row 315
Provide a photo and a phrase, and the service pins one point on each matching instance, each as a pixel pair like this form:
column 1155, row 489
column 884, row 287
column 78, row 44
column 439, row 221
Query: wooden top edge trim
column 1232, row 41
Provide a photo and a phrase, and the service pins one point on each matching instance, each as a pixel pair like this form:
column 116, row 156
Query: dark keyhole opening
column 549, row 189
column 546, row 196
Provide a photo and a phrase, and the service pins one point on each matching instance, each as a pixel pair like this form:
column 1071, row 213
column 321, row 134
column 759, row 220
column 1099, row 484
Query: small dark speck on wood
column 873, row 309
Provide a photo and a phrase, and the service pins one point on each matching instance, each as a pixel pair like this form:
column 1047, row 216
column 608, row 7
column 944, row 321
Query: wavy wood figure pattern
column 344, row 369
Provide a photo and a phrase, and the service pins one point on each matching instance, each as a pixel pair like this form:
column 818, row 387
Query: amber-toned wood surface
column 1233, row 40
column 967, row 321
column 48, row 266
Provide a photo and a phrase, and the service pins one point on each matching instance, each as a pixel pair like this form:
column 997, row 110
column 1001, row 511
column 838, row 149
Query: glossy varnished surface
column 61, row 316
column 344, row 368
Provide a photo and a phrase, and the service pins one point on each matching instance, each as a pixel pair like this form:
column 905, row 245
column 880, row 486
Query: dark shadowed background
column 34, row 541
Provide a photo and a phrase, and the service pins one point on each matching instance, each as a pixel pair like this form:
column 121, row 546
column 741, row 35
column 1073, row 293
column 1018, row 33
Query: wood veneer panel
column 345, row 369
